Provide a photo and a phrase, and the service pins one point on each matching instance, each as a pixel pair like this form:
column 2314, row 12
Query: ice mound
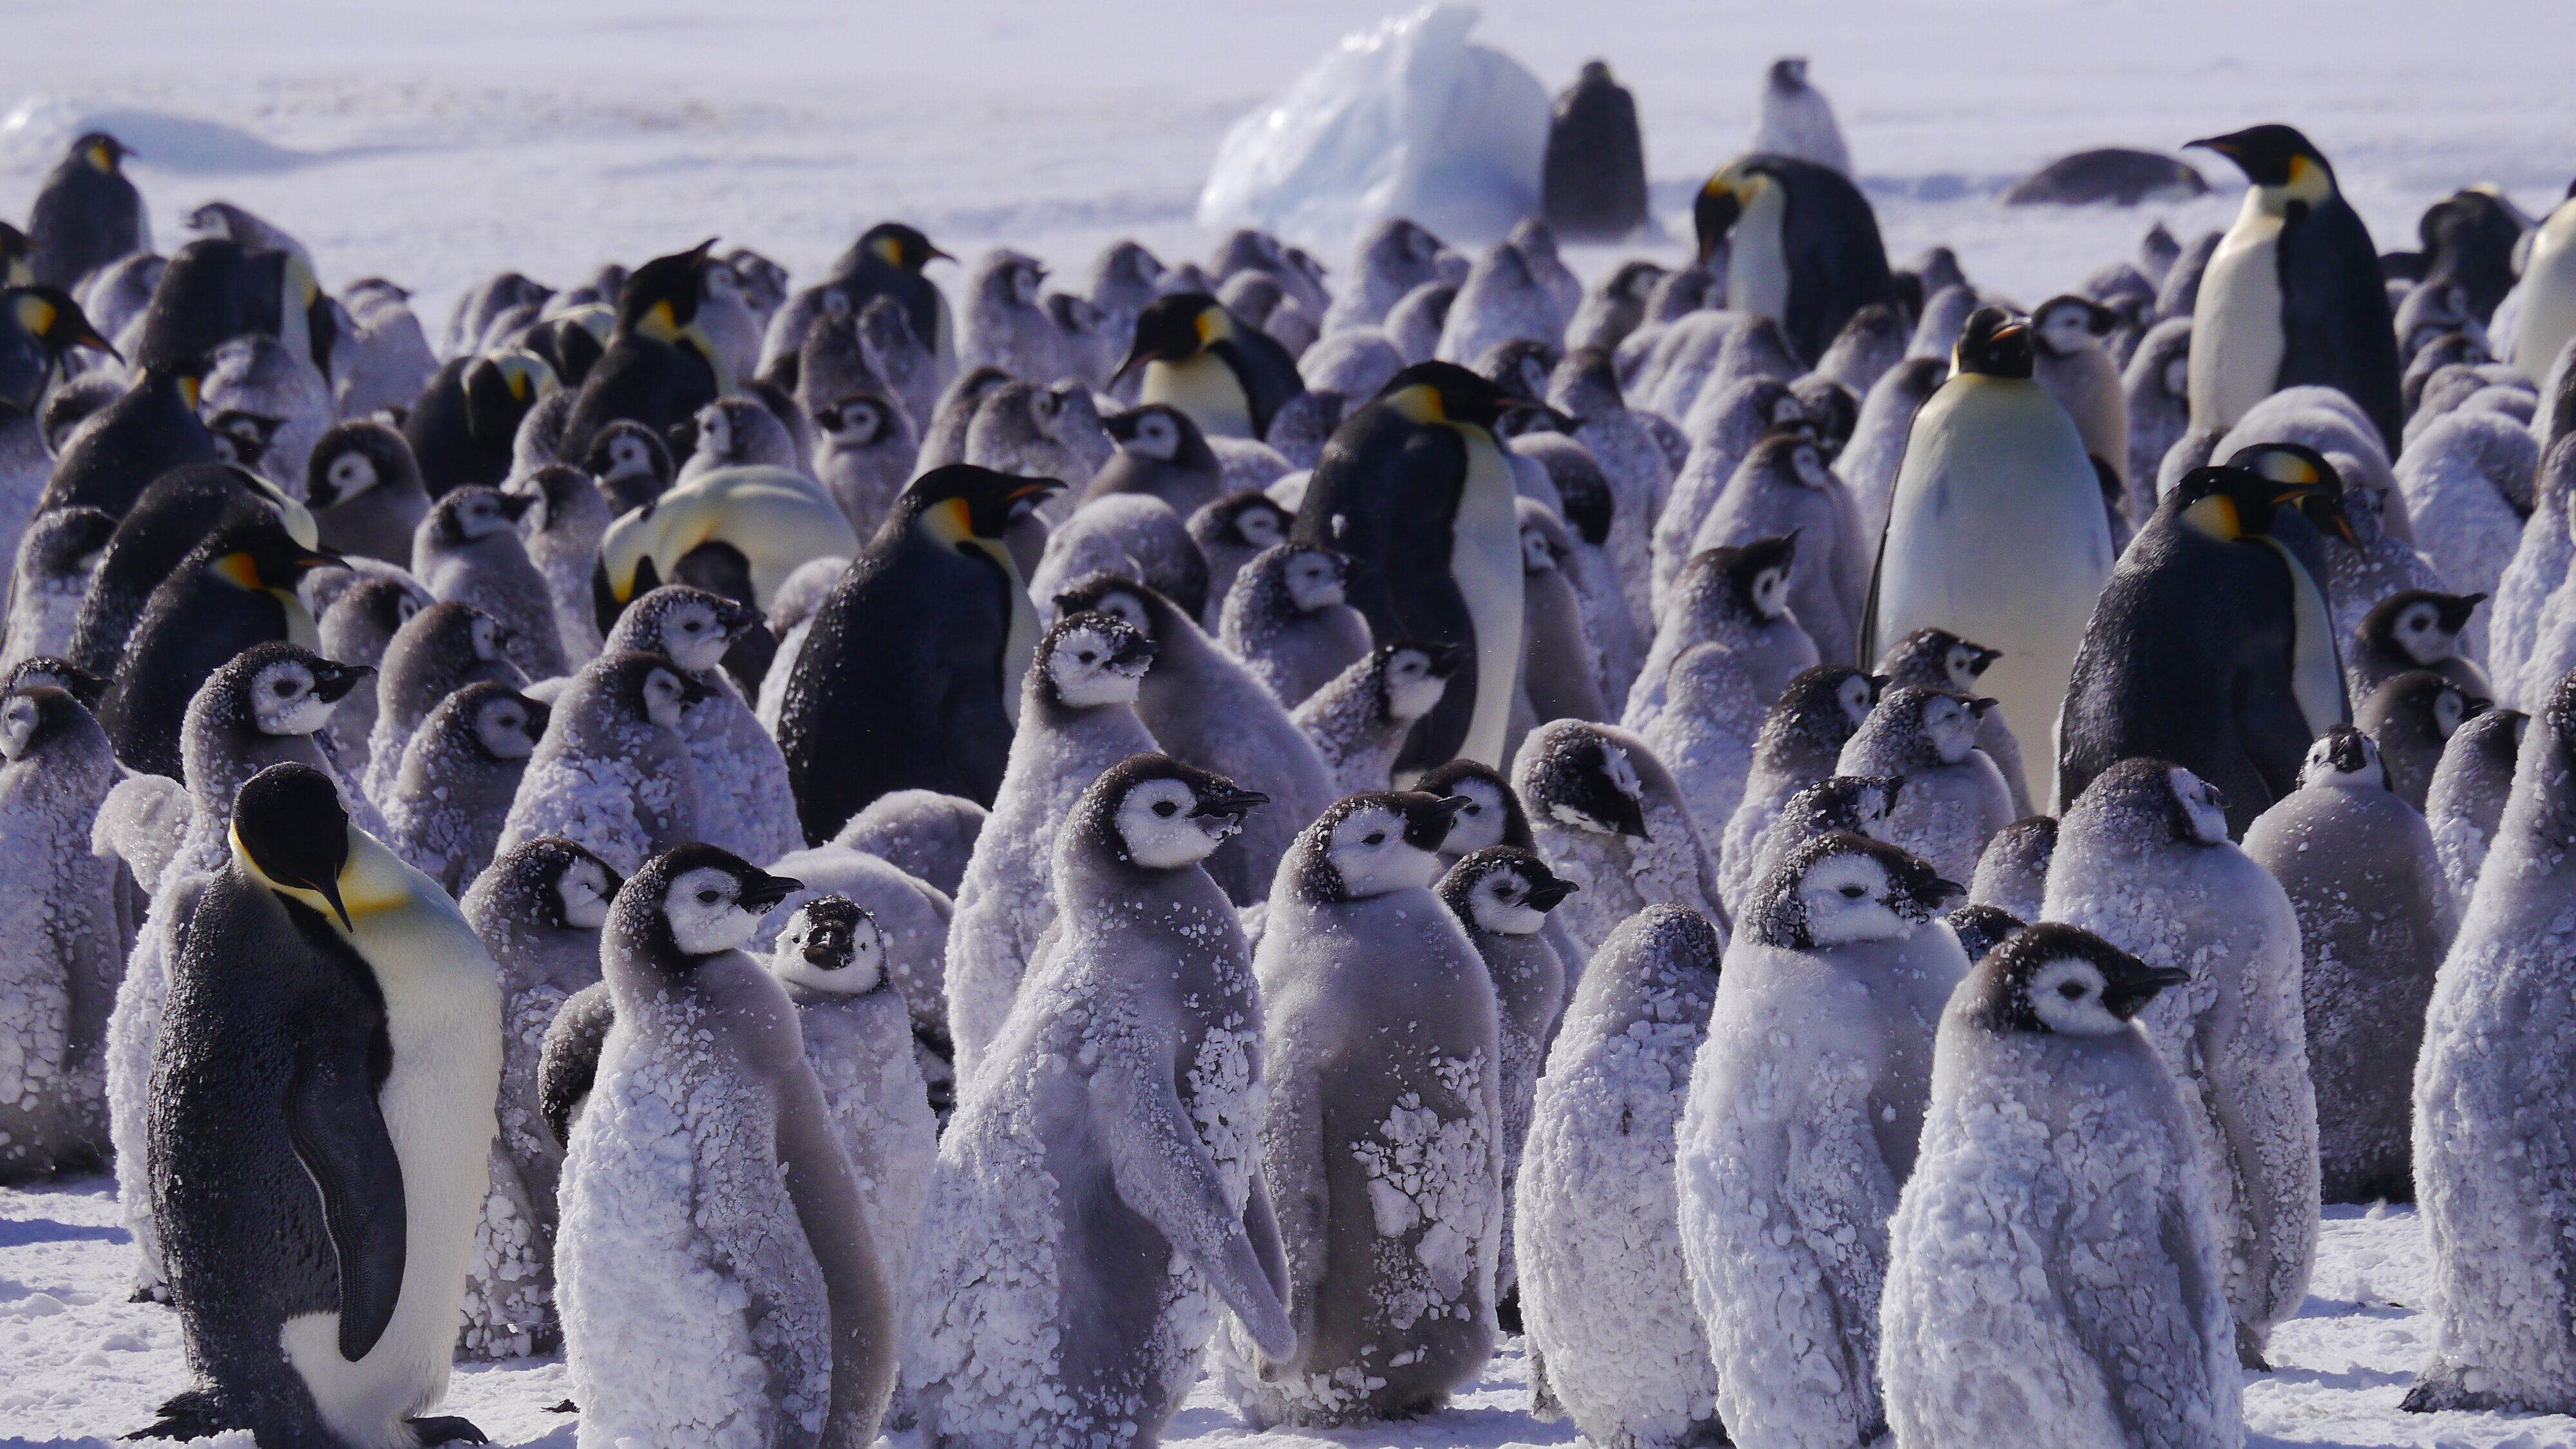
column 1408, row 119
column 40, row 128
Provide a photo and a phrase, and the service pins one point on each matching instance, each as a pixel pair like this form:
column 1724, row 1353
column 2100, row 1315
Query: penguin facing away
column 1592, row 184
column 86, row 213
column 2470, row 788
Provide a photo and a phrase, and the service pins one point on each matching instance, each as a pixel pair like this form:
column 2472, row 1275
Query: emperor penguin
column 1077, row 719
column 746, row 801
column 1608, row 816
column 364, row 489
column 459, row 774
column 2468, row 795
column 2156, row 384
column 2143, row 859
column 1604, row 1293
column 1230, row 533
column 1801, row 744
column 1393, row 257
column 1416, row 491
column 467, row 550
column 1382, row 1146
column 1992, row 445
column 2376, row 916
column 1361, row 717
column 1736, row 597
column 737, row 432
column 2211, row 645
column 2012, row 875
column 2545, row 316
column 435, row 652
column 1231, row 378
column 739, row 532
column 887, row 261
column 1954, row 799
column 864, row 456
column 149, row 429
column 1851, row 804
column 1592, row 185
column 1939, row 659
column 1714, row 708
column 55, row 565
column 176, row 513
column 2410, row 719
column 1006, row 325
column 910, row 676
column 1098, row 1200
column 1286, row 619
column 1797, row 120
column 1134, row 534
column 2293, row 294
column 86, row 213
column 566, row 518
column 612, row 772
column 2012, row 1314
column 701, row 1088
column 1785, row 489
column 921, row 832
column 321, row 1115
column 1806, row 1105
column 1162, row 452
column 468, row 417
column 2416, row 629
column 2494, row 1047
column 2069, row 362
column 1802, row 244
column 65, row 951
column 41, row 329
column 661, row 365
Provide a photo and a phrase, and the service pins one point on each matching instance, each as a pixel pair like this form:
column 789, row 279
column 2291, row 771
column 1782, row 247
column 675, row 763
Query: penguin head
column 558, row 494
column 1755, row 575
column 2024, row 848
column 1492, row 815
column 1995, row 343
column 857, row 421
column 2418, row 703
column 2419, row 626
column 962, row 504
column 1503, row 890
column 1158, row 431
column 1582, row 777
column 646, row 687
column 1841, row 888
column 1010, row 278
column 54, row 322
column 2278, row 160
column 1093, row 660
column 291, row 830
column 500, row 390
column 1123, row 598
column 101, row 152
column 1928, row 726
column 2232, row 503
column 2305, row 478
column 355, row 456
column 898, row 245
column 1312, row 576
column 1412, row 677
column 1727, row 196
column 261, row 557
column 1151, row 812
column 832, row 945
column 1128, row 263
column 505, row 724
column 242, row 438
column 1939, row 659
column 2053, row 979
column 630, row 460
column 2067, row 324
column 1520, row 366
column 2143, row 801
column 583, row 885
column 1367, row 845
column 283, row 689
column 692, row 627
column 1250, row 519
column 1822, row 708
column 483, row 636
column 1788, row 455
column 469, row 515
column 47, row 671
column 1435, row 393
column 1788, row 74
column 553, row 882
column 1175, row 329
column 690, row 903
column 2343, row 758
column 1981, row 928
column 1856, row 803
column 660, row 300
column 33, row 715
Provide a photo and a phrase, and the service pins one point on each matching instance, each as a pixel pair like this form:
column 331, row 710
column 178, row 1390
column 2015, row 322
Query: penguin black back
column 174, row 515
column 1592, row 186
column 147, row 432
column 86, row 215
column 887, row 260
column 659, row 366
column 215, row 289
column 233, row 590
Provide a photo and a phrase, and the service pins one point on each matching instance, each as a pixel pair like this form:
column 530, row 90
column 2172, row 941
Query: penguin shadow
column 35, row 1232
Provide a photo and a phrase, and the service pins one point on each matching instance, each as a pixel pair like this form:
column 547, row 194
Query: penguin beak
column 1981, row 707
column 329, row 890
column 1231, row 802
column 2129, row 995
column 1138, row 354
column 1627, row 816
column 1135, row 649
column 541, row 714
column 1548, row 895
column 334, row 683
column 2017, row 327
column 1447, row 659
column 1426, row 826
column 1940, row 891
column 515, row 506
column 762, row 891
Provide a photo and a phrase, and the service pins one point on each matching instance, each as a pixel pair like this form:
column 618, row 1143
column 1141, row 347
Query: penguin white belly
column 1757, row 262
column 1996, row 533
column 1206, row 389
column 1485, row 560
column 2236, row 338
column 2316, row 672
column 443, row 1013
column 2548, row 316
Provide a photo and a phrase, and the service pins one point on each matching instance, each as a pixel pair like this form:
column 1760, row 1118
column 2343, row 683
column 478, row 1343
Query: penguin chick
column 57, row 559
column 2041, row 1035
column 437, row 651
column 864, row 456
column 1738, row 597
column 1857, row 804
column 612, row 772
column 631, row 462
column 2156, row 387
column 1806, row 1105
column 2468, row 795
column 1135, row 534
column 2012, row 874
column 2410, row 718
column 459, row 775
column 1560, row 668
column 1037, row 431
column 2416, row 629
column 1162, row 452
column 1713, row 710
column 1797, row 120
column 1939, row 659
column 738, row 432
column 467, row 550
column 1801, row 743
column 1360, row 718
column 1285, row 618
column 1784, row 488
column 920, row 832
column 2375, row 917
column 1230, row 533
column 561, row 531
column 2066, row 334
column 1006, row 326
column 746, row 802
column 1954, row 799
column 1608, row 816
column 364, row 489
column 65, row 953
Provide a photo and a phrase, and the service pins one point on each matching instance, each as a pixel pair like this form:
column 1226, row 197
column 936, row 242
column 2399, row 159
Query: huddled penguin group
column 1850, row 862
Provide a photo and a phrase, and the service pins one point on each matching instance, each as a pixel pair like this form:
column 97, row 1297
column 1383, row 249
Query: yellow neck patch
column 237, row 569
column 2216, row 516
column 1420, row 402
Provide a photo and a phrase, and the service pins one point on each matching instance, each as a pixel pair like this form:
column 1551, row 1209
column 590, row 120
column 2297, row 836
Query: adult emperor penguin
column 1592, row 186
column 321, row 1114
column 1801, row 241
column 2144, row 860
column 2293, row 294
column 1114, row 1131
column 738, row 532
column 39, row 329
column 86, row 213
column 1382, row 1146
column 702, row 1088
column 660, row 366
column 1990, row 1332
column 2375, row 917
column 1996, row 532
column 148, row 430
column 65, row 947
column 1416, row 491
column 364, row 489
column 2545, row 317
column 2495, row 1047
column 910, row 676
column 887, row 260
column 2211, row 645
column 1604, row 1293
column 1230, row 378
column 178, row 511
column 466, row 421
column 1806, row 1105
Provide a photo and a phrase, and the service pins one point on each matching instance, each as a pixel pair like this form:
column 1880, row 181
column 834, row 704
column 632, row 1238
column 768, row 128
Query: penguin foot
column 446, row 1429
column 566, row 1407
column 188, row 1414
column 2249, row 1351
column 2444, row 1387
column 1507, row 1314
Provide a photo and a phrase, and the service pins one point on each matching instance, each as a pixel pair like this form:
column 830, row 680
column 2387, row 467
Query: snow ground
column 84, row 1365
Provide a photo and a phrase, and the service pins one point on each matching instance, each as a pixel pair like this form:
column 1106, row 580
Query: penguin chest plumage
column 2316, row 669
column 2548, row 309
column 1485, row 561
column 1757, row 262
column 1206, row 388
column 2237, row 339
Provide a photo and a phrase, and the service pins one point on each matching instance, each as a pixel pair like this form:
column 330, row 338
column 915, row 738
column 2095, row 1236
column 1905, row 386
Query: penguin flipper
column 568, row 1063
column 338, row 1132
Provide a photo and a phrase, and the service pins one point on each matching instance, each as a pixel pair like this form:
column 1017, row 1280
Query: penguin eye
column 1166, row 809
column 2071, row 990
column 708, row 898
column 1854, row 892
column 1374, row 837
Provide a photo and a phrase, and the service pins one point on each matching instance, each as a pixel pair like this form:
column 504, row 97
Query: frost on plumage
column 2537, row 568
column 1953, row 800
column 1705, row 735
column 1726, row 426
column 2468, row 795
column 2467, row 481
column 60, row 947
column 1359, row 719
column 745, row 802
column 1800, row 744
column 1604, row 1291
column 1607, row 815
column 611, row 775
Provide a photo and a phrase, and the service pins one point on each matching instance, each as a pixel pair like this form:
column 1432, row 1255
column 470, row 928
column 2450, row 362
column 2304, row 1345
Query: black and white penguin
column 887, row 260
column 863, row 453
column 435, row 651
column 911, row 673
column 1286, row 619
column 458, row 776
column 660, row 365
column 177, row 512
column 1801, row 241
column 1360, row 718
column 2416, row 629
column 1162, row 452
column 217, row 290
column 39, row 329
column 1414, row 488
column 364, row 489
column 1592, row 185
column 321, row 1115
column 739, row 532
column 2545, row 316
column 1230, row 532
column 467, row 551
column 2293, row 295
column 143, row 434
column 612, row 771
column 1230, row 378
column 465, row 424
column 85, row 215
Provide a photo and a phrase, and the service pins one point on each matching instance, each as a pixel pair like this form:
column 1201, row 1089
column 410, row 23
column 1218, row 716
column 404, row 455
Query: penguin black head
column 261, row 555
column 279, row 688
column 355, row 456
column 289, row 824
column 1138, row 604
column 499, row 392
column 2304, row 477
column 960, row 502
column 1841, row 888
column 1151, row 812
column 1736, row 186
column 1586, row 383
column 1831, row 411
column 1176, row 328
column 242, row 438
column 2276, row 157
column 688, row 904
column 1755, row 576
column 2065, row 324
column 661, row 297
column 49, row 672
column 631, row 462
column 385, row 603
column 2026, row 846
column 1980, row 928
column 1789, row 453
column 505, row 724
column 649, row 686
column 471, row 514
column 1492, row 814
column 2418, row 702
column 2052, row 979
column 1367, row 845
column 1519, row 366
column 33, row 715
column 1250, row 519
column 2147, row 800
column 857, row 421
column 2230, row 503
column 1821, row 710
column 1995, row 343
column 561, row 492
column 832, row 945
column 2418, row 625
column 1926, row 727
column 1938, row 659
column 48, row 317
column 2346, row 757
column 898, row 245
column 1856, row 803
column 692, row 626
column 101, row 152
column 1308, row 577
column 1590, row 507
column 1092, row 659
column 1444, row 392
column 1585, row 779
column 1503, row 890
column 1411, row 676
column 566, row 886
column 1159, row 431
